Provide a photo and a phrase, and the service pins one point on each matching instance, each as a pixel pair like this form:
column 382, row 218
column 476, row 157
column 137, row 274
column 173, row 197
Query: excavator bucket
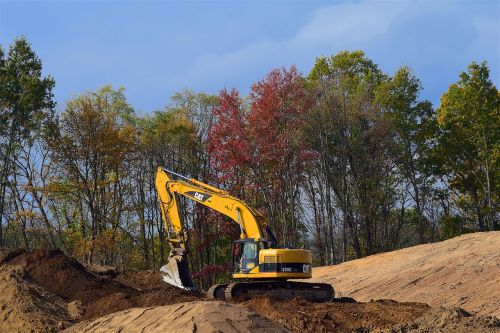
column 176, row 271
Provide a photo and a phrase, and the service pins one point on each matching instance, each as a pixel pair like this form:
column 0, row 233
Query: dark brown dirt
column 454, row 320
column 44, row 291
column 7, row 254
column 26, row 307
column 340, row 316
column 99, row 295
column 148, row 290
column 65, row 276
column 141, row 280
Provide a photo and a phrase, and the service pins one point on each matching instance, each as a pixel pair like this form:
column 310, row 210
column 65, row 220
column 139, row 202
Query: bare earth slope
column 200, row 316
column 463, row 272
column 26, row 307
column 46, row 291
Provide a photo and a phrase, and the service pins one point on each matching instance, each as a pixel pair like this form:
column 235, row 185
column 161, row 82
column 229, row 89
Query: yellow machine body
column 279, row 264
column 256, row 257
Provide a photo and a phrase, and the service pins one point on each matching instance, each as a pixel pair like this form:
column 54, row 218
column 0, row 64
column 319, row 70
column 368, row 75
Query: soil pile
column 26, row 307
column 454, row 320
column 201, row 316
column 65, row 276
column 106, row 271
column 343, row 315
column 60, row 289
column 46, row 291
column 148, row 289
column 460, row 272
column 142, row 280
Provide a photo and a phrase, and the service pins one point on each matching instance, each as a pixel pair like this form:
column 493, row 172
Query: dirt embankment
column 63, row 291
column 67, row 278
column 460, row 272
column 46, row 291
column 268, row 315
column 201, row 316
column 444, row 320
column 381, row 316
column 26, row 307
column 338, row 316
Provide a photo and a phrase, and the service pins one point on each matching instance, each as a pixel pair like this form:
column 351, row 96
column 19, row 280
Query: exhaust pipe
column 176, row 272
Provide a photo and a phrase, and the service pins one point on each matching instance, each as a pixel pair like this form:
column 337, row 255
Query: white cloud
column 429, row 37
column 330, row 29
column 348, row 22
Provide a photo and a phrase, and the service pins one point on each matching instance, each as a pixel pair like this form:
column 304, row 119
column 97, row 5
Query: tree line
column 346, row 160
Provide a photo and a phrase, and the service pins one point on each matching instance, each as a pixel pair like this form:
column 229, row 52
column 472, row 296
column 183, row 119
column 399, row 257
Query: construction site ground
column 451, row 286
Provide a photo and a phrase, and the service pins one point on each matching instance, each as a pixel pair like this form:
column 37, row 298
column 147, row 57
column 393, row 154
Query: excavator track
column 217, row 291
column 317, row 292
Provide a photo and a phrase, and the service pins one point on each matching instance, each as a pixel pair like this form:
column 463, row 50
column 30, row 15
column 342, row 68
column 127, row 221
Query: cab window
column 250, row 251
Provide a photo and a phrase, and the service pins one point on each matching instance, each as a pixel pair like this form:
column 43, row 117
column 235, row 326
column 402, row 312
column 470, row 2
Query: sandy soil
column 460, row 272
column 339, row 316
column 25, row 307
column 98, row 295
column 46, row 291
column 445, row 320
column 201, row 316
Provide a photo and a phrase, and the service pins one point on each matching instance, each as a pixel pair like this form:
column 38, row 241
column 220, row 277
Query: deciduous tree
column 25, row 101
column 469, row 141
column 90, row 145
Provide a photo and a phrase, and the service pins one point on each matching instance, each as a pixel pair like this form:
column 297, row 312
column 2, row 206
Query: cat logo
column 198, row 196
column 306, row 268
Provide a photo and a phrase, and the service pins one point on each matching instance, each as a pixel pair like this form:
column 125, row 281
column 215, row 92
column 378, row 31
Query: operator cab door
column 246, row 255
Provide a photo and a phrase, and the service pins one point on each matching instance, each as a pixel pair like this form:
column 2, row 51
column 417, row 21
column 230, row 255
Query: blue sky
column 155, row 48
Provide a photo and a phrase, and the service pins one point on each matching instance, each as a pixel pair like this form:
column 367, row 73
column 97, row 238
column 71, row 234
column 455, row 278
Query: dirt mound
column 460, row 272
column 44, row 291
column 96, row 294
column 65, row 276
column 148, row 289
column 201, row 316
column 107, row 271
column 141, row 280
column 7, row 254
column 26, row 307
column 304, row 316
column 454, row 320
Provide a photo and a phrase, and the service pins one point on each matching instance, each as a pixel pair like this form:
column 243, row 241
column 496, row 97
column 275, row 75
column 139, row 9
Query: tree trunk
column 480, row 219
column 5, row 177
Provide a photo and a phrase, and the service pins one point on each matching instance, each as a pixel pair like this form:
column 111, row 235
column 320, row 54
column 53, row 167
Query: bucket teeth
column 176, row 271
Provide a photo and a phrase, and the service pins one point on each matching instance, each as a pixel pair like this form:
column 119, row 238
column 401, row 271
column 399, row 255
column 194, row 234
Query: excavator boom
column 176, row 271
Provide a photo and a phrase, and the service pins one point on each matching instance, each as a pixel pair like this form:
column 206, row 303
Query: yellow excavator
column 259, row 265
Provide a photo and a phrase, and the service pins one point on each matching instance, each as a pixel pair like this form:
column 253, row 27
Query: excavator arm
column 251, row 222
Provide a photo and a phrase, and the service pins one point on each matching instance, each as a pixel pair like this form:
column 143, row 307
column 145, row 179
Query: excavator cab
column 246, row 254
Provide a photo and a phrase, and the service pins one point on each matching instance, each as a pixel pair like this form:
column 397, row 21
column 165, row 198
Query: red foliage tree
column 265, row 144
column 279, row 106
column 228, row 142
